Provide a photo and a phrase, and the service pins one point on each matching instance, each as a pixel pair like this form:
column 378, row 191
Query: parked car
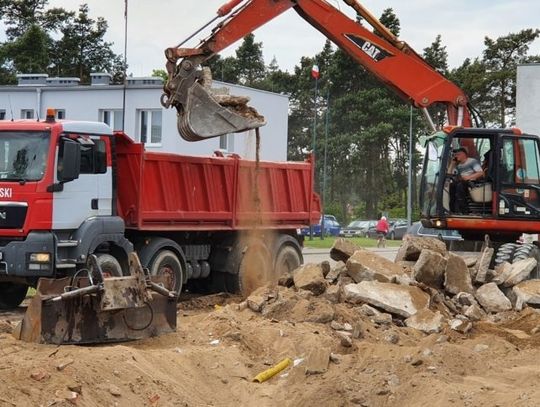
column 331, row 227
column 398, row 229
column 417, row 229
column 357, row 228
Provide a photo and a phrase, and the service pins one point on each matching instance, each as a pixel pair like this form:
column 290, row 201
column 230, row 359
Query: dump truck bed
column 162, row 191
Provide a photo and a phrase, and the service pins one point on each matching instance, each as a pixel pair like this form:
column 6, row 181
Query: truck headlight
column 40, row 257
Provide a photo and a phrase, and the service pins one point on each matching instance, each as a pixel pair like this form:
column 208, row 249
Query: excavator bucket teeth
column 203, row 117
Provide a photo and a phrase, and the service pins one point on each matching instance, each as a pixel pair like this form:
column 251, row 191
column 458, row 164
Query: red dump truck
column 70, row 189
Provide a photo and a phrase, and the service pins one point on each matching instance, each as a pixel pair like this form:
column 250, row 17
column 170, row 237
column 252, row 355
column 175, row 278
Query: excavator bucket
column 205, row 116
column 99, row 310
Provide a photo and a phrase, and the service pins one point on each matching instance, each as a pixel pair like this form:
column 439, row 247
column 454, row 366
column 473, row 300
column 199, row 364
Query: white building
column 528, row 98
column 145, row 118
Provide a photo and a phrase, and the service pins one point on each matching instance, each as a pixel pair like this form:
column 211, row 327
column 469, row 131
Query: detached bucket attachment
column 99, row 310
column 205, row 116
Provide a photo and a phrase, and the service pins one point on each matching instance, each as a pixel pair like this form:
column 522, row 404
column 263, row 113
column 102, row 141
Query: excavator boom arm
column 383, row 54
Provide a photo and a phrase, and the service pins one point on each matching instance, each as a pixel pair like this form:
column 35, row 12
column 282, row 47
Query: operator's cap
column 460, row 149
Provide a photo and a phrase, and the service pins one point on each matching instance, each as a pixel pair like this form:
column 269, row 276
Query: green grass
column 327, row 242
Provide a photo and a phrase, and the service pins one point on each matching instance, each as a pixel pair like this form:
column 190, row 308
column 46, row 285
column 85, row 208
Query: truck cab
column 56, row 201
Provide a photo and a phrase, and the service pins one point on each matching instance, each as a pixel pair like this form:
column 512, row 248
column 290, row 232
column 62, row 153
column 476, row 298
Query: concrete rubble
column 426, row 289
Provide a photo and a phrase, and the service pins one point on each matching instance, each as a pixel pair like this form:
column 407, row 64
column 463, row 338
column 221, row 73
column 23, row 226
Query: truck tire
column 288, row 255
column 253, row 267
column 166, row 263
column 12, row 294
column 110, row 267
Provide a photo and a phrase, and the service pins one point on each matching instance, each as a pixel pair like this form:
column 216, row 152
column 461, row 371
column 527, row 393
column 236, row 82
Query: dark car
column 398, row 229
column 417, row 229
column 357, row 228
column 331, row 227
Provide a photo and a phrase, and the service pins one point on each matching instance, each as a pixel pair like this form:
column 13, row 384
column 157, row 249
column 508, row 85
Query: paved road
column 318, row 255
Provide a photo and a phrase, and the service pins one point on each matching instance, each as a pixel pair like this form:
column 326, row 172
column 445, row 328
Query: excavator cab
column 506, row 198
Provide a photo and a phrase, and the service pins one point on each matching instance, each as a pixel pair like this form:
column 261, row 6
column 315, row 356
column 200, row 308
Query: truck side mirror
column 69, row 165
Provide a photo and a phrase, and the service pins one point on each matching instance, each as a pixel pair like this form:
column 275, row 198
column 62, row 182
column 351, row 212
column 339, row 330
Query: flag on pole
column 315, row 72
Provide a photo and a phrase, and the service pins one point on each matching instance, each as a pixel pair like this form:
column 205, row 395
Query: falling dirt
column 256, row 269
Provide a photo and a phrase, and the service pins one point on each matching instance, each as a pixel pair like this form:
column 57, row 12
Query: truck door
column 91, row 193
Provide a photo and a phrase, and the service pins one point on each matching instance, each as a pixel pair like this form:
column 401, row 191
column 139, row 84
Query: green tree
column 82, row 48
column 249, row 61
column 223, row 69
column 437, row 56
column 20, row 15
column 501, row 58
column 30, row 52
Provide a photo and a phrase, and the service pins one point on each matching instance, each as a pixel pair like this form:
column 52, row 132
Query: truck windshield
column 23, row 155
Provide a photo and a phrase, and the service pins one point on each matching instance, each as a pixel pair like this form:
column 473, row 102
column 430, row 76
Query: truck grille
column 12, row 216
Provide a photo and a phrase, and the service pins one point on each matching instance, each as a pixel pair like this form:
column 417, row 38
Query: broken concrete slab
column 396, row 299
column 338, row 269
column 501, row 272
column 460, row 325
column 527, row 292
column 520, row 271
column 492, row 299
column 470, row 261
column 343, row 249
column 412, row 246
column 332, row 294
column 426, row 321
column 429, row 269
column 365, row 265
column 310, row 277
column 466, row 299
column 317, row 361
column 457, row 277
column 482, row 265
column 474, row 312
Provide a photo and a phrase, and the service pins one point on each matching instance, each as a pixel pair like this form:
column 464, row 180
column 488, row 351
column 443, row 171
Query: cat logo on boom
column 371, row 50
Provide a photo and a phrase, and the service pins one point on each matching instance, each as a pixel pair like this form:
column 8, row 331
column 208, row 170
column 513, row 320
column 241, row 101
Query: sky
column 154, row 25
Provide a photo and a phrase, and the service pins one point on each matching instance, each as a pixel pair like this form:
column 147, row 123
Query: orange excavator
column 503, row 204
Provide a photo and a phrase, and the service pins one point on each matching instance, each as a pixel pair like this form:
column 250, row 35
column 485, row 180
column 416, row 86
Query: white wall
column 528, row 98
column 85, row 102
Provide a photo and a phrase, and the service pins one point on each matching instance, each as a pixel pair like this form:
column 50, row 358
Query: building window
column 111, row 117
column 226, row 143
column 150, row 127
column 27, row 113
column 2, row 114
column 60, row 114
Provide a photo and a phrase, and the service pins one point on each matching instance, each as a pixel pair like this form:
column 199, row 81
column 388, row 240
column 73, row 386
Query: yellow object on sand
column 274, row 370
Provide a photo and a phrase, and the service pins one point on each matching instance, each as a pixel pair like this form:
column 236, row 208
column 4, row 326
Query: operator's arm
column 478, row 173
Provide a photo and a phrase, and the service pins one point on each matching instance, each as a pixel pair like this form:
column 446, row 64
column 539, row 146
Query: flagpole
column 315, row 74
column 125, row 65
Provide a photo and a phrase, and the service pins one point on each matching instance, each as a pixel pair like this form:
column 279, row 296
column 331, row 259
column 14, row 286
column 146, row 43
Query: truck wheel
column 253, row 267
column 12, row 294
column 166, row 263
column 288, row 255
column 110, row 267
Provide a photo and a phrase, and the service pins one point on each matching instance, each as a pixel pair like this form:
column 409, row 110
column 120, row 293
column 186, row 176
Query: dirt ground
column 220, row 346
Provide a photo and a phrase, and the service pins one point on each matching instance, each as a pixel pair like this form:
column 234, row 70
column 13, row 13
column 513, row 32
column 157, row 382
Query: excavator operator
column 467, row 169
